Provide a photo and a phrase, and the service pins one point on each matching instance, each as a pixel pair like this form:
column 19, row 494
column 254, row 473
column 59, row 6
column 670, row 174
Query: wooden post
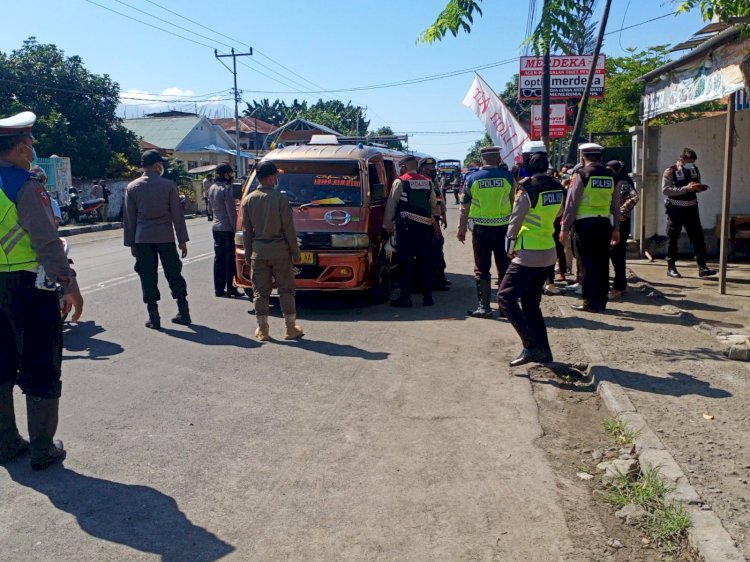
column 644, row 198
column 726, row 194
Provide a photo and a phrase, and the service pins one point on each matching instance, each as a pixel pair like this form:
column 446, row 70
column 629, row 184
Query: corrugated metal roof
column 165, row 132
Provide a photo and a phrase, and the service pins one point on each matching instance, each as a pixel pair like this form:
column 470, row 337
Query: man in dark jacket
column 221, row 198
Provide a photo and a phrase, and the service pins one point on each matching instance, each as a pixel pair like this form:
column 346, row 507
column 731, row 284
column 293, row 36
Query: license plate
column 307, row 258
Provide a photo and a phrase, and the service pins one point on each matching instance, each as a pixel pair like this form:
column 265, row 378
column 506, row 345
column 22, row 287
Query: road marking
column 115, row 281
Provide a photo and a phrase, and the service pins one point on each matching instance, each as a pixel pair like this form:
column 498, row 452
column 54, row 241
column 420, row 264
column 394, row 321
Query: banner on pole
column 568, row 77
column 558, row 121
column 502, row 126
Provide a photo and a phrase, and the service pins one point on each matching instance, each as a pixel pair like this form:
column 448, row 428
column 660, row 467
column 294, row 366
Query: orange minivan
column 338, row 195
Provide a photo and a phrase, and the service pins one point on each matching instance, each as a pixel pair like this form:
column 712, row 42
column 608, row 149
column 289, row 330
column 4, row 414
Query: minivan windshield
column 320, row 182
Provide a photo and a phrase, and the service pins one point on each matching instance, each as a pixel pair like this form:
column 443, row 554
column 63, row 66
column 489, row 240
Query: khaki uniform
column 271, row 247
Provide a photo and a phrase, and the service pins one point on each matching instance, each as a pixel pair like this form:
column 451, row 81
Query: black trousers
column 415, row 242
column 525, row 284
column 225, row 268
column 617, row 255
column 489, row 241
column 591, row 240
column 30, row 336
column 689, row 218
column 562, row 261
column 147, row 258
column 438, row 257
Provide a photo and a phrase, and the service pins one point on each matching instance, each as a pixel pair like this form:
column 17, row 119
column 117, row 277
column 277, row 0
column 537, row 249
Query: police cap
column 19, row 124
column 489, row 151
column 590, row 148
column 265, row 169
column 151, row 157
column 406, row 159
column 530, row 147
column 427, row 161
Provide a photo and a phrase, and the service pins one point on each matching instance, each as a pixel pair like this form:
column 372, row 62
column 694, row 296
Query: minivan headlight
column 238, row 239
column 350, row 241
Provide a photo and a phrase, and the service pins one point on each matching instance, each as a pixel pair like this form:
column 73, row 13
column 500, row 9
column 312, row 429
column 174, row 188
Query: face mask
column 432, row 174
column 160, row 170
column 688, row 165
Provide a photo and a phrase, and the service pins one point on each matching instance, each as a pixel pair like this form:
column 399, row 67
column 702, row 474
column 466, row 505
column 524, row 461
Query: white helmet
column 530, row 147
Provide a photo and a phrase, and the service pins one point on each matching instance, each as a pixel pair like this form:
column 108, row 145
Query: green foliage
column 344, row 118
column 75, row 108
column 521, row 109
column 120, row 167
column 177, row 173
column 457, row 15
column 385, row 131
column 619, row 431
column 473, row 155
column 619, row 109
column 725, row 9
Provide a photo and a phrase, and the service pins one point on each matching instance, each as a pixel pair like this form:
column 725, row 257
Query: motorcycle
column 76, row 211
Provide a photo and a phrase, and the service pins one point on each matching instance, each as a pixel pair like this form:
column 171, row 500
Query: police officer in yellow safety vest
column 486, row 204
column 531, row 245
column 592, row 219
column 32, row 264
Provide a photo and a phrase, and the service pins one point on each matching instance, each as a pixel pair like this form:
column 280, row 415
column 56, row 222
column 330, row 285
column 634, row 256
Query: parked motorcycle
column 76, row 211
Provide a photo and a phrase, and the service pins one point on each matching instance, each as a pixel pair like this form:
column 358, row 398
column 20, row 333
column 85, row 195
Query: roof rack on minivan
column 324, row 139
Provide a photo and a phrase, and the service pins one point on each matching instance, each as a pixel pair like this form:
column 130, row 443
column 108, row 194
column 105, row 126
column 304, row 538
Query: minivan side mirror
column 377, row 192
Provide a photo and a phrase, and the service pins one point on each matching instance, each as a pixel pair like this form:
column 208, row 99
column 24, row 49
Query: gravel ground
column 677, row 377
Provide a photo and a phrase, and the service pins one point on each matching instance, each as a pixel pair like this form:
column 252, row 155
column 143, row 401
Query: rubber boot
column 154, row 321
column 12, row 444
column 261, row 332
column 183, row 313
column 43, row 415
column 292, row 330
column 484, row 291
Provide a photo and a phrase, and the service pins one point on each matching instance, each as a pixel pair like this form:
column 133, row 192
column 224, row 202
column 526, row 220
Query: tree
column 521, row 109
column 75, row 108
column 346, row 118
column 561, row 19
column 473, row 155
column 387, row 131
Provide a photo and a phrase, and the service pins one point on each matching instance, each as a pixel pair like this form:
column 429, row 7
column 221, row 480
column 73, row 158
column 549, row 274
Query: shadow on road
column 139, row 517
column 336, row 349
column 697, row 354
column 585, row 323
column 79, row 338
column 675, row 384
column 210, row 336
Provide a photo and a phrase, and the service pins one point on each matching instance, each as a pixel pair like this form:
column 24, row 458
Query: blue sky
column 332, row 43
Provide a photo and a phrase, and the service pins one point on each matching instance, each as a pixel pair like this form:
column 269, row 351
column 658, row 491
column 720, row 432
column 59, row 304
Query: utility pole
column 545, row 77
column 571, row 157
column 236, row 100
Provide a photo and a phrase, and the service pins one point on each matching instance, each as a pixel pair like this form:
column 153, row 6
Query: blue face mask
column 33, row 151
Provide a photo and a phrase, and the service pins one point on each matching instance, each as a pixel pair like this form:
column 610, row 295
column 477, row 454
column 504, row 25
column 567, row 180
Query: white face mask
column 688, row 165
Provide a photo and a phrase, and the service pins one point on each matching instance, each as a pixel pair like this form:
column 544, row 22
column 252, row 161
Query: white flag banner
column 502, row 126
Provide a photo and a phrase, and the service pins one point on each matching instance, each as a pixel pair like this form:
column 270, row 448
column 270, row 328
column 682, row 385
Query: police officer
column 531, row 245
column 681, row 185
column 410, row 205
column 427, row 167
column 487, row 201
column 592, row 219
column 221, row 198
column 152, row 216
column 32, row 263
column 628, row 199
column 271, row 249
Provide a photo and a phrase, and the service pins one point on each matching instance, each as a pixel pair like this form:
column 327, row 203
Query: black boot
column 484, row 292
column 42, row 414
column 12, row 444
column 183, row 313
column 154, row 321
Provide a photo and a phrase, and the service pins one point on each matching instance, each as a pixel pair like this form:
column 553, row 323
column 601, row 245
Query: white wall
column 705, row 136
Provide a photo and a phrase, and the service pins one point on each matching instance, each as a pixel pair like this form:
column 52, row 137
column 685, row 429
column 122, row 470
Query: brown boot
column 292, row 330
column 261, row 332
column 12, row 445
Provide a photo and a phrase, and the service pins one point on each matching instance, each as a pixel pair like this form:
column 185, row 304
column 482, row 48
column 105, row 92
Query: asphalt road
column 382, row 435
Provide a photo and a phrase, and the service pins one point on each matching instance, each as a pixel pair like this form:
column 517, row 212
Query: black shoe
column 42, row 418
column 428, row 300
column 154, row 321
column 586, row 308
column 442, row 287
column 183, row 314
column 219, row 293
column 672, row 272
column 401, row 303
column 235, row 294
column 531, row 356
column 480, row 312
column 44, row 456
column 705, row 272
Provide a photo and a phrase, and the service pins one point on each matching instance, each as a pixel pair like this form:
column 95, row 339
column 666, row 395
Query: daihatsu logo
column 338, row 218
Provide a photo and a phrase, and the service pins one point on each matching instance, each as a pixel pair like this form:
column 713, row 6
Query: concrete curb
column 706, row 534
column 66, row 231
